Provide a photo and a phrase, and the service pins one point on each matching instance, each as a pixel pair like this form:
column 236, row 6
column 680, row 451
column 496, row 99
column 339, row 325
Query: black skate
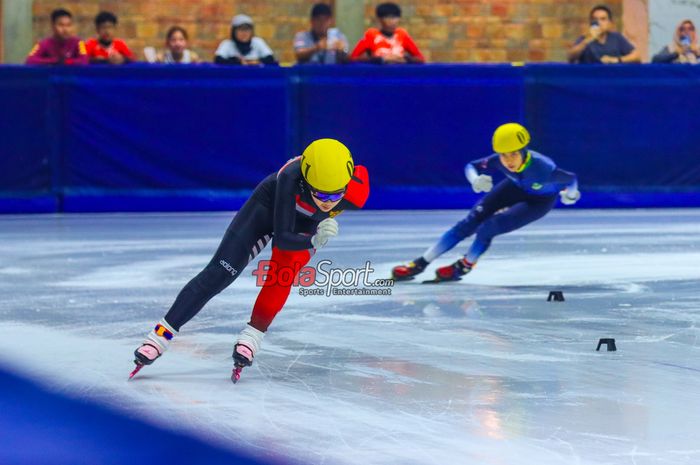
column 453, row 272
column 145, row 355
column 242, row 357
column 408, row 271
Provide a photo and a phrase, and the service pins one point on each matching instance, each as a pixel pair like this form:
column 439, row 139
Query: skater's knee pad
column 480, row 213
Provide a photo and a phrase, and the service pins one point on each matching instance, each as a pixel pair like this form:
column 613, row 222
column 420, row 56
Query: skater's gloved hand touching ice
column 326, row 229
column 569, row 196
column 482, row 183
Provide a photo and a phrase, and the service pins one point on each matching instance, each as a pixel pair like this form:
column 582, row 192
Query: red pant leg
column 273, row 295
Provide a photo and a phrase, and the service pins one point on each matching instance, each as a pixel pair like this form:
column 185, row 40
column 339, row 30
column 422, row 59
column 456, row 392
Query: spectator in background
column 62, row 48
column 176, row 51
column 323, row 44
column 389, row 43
column 106, row 49
column 243, row 48
column 601, row 44
column 683, row 49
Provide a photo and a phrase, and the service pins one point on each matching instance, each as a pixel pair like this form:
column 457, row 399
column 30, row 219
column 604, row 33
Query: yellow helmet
column 510, row 137
column 327, row 165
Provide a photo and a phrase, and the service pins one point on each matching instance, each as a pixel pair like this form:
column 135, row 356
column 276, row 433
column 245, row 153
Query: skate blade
column 440, row 280
column 398, row 280
column 136, row 370
column 236, row 375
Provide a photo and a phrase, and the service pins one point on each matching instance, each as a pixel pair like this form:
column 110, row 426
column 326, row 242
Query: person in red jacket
column 106, row 49
column 388, row 44
column 62, row 48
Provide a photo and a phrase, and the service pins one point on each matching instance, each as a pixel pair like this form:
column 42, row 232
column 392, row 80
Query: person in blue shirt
column 602, row 45
column 529, row 191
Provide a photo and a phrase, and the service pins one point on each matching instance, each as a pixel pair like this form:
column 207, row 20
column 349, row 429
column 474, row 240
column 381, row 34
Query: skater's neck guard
column 526, row 163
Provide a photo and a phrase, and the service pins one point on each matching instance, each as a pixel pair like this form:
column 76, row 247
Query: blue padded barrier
column 143, row 138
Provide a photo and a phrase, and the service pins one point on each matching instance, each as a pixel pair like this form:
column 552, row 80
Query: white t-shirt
column 170, row 60
column 258, row 49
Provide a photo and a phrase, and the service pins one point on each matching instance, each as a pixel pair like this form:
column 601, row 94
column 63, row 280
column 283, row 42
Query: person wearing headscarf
column 244, row 48
column 683, row 49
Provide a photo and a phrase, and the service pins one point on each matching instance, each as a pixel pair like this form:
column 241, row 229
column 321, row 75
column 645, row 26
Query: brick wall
column 145, row 22
column 494, row 30
column 446, row 31
column 636, row 24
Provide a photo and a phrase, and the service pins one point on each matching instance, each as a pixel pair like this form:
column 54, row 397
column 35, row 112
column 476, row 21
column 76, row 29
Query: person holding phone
column 683, row 49
column 322, row 44
column 602, row 44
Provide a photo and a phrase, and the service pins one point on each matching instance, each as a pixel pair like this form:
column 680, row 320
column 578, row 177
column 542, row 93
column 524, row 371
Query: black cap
column 60, row 13
column 388, row 9
column 105, row 17
column 321, row 9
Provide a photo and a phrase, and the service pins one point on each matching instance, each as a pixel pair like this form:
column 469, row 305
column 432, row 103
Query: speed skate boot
column 154, row 346
column 453, row 272
column 247, row 345
column 408, row 271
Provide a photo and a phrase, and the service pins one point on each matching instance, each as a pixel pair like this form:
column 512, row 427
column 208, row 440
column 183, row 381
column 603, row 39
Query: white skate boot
column 249, row 341
column 154, row 346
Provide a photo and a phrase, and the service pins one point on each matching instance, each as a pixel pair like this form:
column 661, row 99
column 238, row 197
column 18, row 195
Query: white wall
column 16, row 29
column 664, row 16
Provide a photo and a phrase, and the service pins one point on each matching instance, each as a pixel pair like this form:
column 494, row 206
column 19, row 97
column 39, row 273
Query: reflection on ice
column 480, row 371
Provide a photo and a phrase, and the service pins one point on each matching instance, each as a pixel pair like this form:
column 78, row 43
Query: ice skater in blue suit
column 528, row 193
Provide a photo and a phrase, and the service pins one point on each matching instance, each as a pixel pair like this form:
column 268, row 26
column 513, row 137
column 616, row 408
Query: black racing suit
column 281, row 209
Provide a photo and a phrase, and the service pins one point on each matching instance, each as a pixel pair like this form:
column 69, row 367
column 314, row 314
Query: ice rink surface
column 483, row 371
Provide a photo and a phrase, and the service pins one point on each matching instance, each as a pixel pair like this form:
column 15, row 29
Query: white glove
column 325, row 230
column 482, row 183
column 569, row 198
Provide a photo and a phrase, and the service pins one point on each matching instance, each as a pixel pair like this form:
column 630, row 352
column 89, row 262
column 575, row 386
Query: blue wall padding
column 26, row 121
column 144, row 138
column 628, row 127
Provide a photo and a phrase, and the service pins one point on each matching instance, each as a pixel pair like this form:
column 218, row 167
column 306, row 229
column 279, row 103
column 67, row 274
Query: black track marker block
column 609, row 343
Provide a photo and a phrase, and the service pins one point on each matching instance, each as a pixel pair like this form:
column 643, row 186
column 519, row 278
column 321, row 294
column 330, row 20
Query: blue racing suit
column 528, row 194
